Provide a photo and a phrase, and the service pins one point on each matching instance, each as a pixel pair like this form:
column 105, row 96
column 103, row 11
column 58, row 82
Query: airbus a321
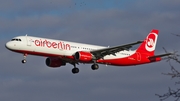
column 59, row 52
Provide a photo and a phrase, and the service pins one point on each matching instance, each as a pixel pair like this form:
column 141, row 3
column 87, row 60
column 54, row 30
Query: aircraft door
column 138, row 56
column 29, row 41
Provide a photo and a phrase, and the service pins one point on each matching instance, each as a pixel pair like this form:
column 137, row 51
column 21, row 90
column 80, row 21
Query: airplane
column 59, row 52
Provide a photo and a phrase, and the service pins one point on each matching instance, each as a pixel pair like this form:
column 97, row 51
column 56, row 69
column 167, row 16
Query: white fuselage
column 60, row 52
column 50, row 47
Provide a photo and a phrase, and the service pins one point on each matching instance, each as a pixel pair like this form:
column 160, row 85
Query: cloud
column 25, row 6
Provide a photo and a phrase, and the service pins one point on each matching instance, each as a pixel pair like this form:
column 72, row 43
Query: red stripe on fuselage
column 127, row 61
column 42, row 54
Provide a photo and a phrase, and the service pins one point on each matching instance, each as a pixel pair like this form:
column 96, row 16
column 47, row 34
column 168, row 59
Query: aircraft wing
column 100, row 53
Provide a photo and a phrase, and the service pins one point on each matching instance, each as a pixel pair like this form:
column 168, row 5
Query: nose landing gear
column 24, row 59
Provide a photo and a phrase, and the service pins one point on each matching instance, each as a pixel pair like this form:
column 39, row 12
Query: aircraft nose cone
column 8, row 45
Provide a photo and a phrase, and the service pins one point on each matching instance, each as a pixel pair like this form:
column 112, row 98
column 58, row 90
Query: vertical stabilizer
column 149, row 44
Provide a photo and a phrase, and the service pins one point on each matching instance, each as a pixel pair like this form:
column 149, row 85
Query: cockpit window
column 13, row 39
column 16, row 39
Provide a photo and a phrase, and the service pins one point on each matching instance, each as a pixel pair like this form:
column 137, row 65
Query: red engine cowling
column 83, row 56
column 54, row 62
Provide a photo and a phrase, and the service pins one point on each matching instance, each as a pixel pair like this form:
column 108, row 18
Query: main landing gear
column 75, row 70
column 95, row 67
column 24, row 59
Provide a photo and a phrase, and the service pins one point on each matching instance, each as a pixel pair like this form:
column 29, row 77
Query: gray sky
column 102, row 22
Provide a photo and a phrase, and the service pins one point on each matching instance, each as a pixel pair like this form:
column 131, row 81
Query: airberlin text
column 49, row 44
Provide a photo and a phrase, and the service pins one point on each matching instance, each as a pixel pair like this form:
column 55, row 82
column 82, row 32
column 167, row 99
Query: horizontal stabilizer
column 162, row 55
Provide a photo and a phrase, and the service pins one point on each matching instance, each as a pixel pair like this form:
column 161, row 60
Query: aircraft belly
column 121, row 60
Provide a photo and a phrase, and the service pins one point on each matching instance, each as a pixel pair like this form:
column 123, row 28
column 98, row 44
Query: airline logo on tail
column 151, row 41
column 149, row 44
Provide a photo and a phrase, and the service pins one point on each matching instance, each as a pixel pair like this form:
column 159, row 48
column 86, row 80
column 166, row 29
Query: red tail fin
column 149, row 44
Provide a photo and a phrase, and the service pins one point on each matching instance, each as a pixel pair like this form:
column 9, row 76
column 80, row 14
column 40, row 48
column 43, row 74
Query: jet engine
column 83, row 56
column 54, row 62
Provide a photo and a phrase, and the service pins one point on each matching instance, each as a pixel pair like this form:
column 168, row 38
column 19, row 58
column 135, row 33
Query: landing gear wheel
column 75, row 70
column 23, row 61
column 95, row 67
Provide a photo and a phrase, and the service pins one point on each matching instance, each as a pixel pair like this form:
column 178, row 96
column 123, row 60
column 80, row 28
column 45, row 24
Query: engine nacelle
column 83, row 56
column 55, row 62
